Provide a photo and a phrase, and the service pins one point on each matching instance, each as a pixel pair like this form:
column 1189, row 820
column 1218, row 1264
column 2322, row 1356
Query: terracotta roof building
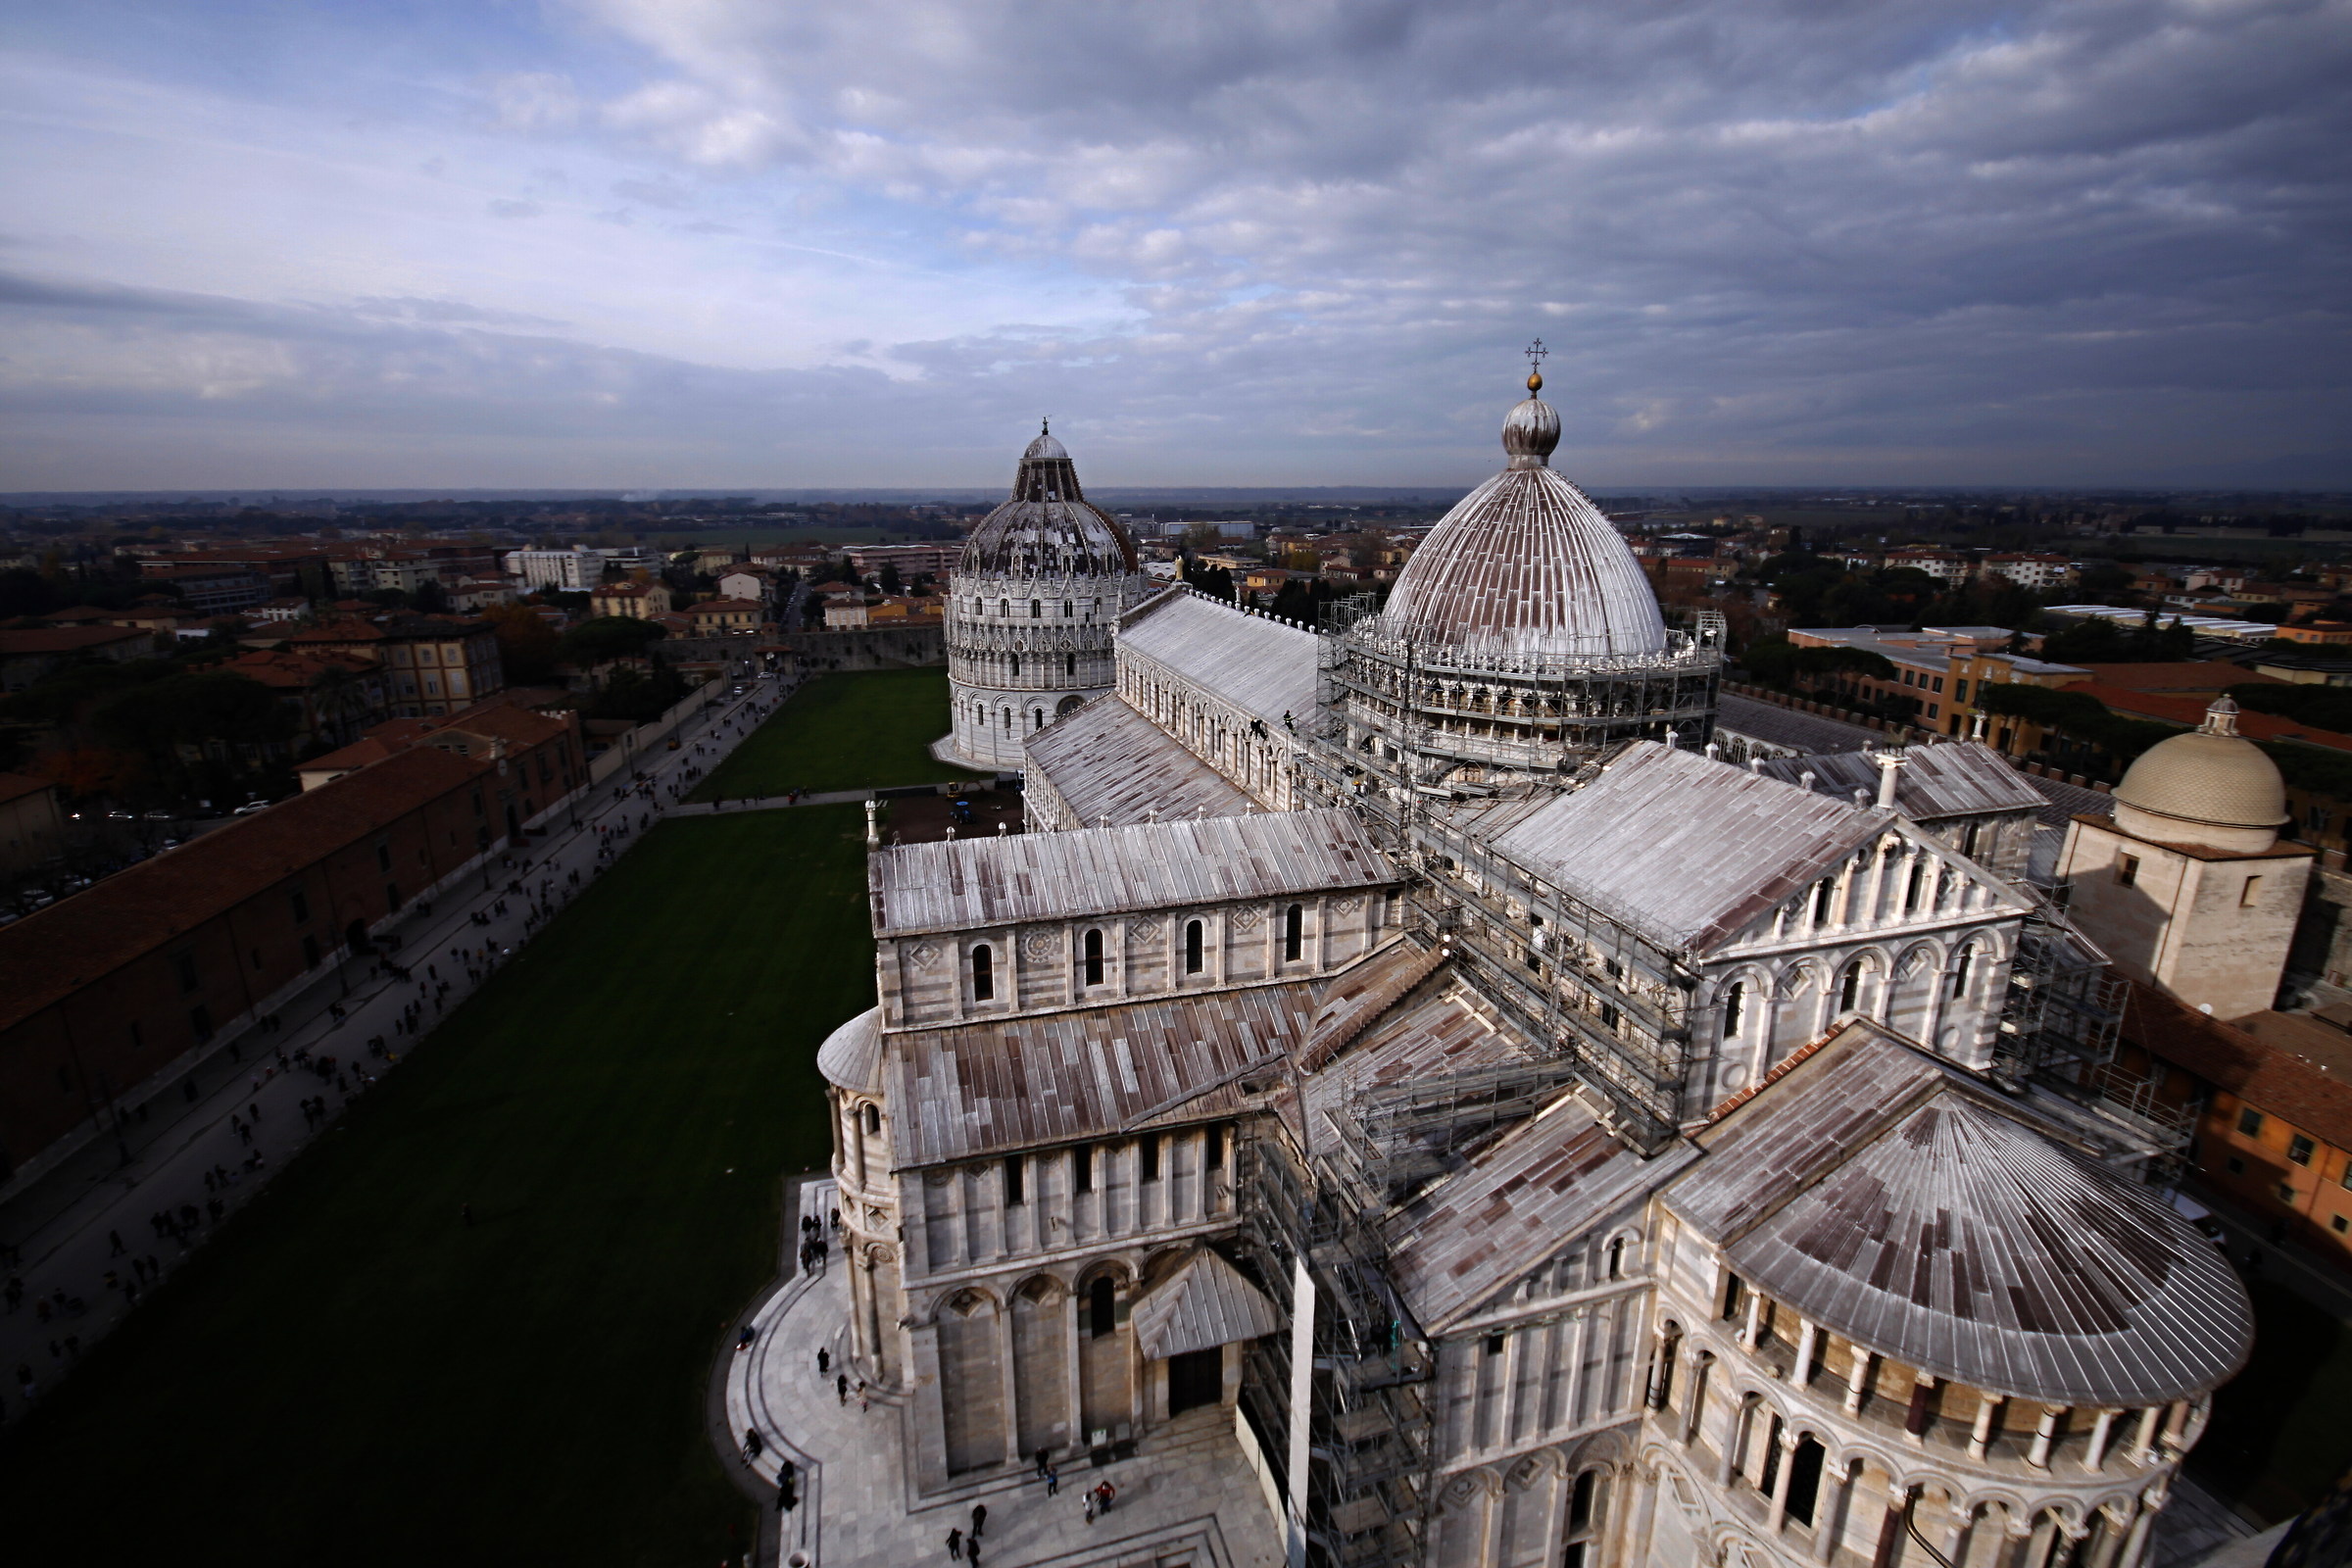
column 102, row 992
column 27, row 655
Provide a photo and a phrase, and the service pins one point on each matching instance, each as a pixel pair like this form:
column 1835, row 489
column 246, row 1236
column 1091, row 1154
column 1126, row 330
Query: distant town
column 167, row 662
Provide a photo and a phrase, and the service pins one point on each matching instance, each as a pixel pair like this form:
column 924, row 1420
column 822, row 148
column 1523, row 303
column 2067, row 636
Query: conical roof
column 1526, row 564
column 1047, row 528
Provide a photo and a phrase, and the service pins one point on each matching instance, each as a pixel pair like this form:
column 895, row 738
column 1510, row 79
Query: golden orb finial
column 1535, row 366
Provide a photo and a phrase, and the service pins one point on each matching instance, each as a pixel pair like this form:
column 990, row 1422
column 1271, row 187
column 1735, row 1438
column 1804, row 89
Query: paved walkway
column 1187, row 1500
column 63, row 1225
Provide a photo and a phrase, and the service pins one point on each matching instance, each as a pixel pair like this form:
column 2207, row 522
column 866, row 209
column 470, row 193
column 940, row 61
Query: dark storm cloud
column 2073, row 240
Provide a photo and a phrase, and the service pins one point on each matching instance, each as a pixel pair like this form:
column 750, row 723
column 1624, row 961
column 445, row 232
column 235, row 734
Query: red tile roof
column 76, row 942
column 67, row 639
column 2269, row 1077
column 2189, row 712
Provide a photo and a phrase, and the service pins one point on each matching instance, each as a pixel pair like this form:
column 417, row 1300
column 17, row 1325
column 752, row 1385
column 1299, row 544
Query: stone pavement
column 62, row 1226
column 1187, row 1500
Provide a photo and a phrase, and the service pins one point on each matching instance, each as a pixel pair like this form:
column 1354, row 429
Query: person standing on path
column 979, row 1518
column 956, row 1546
column 841, row 1389
column 1053, row 1482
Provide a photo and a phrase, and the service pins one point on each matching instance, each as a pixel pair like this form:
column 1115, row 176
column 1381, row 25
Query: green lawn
column 349, row 1376
column 2278, row 1440
column 862, row 730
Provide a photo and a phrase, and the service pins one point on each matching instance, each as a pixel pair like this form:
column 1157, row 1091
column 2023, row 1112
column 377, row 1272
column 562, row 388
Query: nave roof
column 971, row 884
column 1264, row 667
column 1113, row 767
column 980, row 1089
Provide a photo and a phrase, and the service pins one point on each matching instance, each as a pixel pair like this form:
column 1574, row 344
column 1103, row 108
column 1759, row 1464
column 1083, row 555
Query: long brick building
column 104, row 995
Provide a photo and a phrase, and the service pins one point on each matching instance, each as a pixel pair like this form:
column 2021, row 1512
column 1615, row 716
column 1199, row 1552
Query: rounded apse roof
column 852, row 1055
column 1525, row 564
column 2213, row 775
column 1047, row 528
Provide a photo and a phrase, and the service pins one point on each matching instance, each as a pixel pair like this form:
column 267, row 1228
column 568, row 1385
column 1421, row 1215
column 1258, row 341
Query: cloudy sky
column 259, row 243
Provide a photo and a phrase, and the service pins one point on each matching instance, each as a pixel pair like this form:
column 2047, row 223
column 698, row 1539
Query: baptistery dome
column 1032, row 607
column 1525, row 565
column 1047, row 528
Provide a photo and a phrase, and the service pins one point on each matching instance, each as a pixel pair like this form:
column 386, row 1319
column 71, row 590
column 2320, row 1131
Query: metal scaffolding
column 1371, row 1446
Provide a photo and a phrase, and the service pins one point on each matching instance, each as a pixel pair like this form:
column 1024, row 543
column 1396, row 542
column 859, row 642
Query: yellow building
column 634, row 601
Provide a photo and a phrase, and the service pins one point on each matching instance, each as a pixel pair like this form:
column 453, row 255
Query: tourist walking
column 841, row 1388
column 956, row 1546
column 979, row 1518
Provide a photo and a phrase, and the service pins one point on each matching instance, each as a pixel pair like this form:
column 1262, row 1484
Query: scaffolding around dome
column 1437, row 710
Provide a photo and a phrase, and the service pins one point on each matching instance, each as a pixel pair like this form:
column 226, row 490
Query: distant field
column 864, row 730
column 349, row 1376
column 760, row 538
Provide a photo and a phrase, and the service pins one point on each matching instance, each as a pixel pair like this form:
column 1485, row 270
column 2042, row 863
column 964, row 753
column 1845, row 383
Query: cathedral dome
column 2212, row 785
column 1047, row 528
column 1526, row 564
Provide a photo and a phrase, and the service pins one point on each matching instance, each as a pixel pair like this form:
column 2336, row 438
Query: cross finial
column 1534, row 365
column 1044, row 426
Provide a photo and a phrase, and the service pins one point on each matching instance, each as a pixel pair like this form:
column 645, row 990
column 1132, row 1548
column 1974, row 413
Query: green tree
column 527, row 646
column 610, row 637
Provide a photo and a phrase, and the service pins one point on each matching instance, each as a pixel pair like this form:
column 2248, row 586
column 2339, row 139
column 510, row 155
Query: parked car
column 251, row 807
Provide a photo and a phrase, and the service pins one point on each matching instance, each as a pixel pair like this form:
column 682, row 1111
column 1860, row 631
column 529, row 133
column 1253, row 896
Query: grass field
column 864, row 730
column 349, row 1376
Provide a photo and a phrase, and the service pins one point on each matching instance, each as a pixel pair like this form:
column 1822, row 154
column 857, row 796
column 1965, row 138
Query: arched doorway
column 355, row 937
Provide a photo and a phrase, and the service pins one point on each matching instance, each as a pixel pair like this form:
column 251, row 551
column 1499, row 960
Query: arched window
column 1293, row 922
column 1005, row 608
column 1037, row 719
column 1069, row 664
column 1735, row 1002
column 873, row 1119
column 1037, row 609
column 1017, row 667
column 1617, row 1257
column 1580, row 1501
column 1005, row 719
column 1102, row 1308
column 1191, row 947
column 1069, row 611
column 1850, row 988
column 1094, row 958
column 1804, row 1478
column 984, row 975
column 1822, row 893
column 1960, row 974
